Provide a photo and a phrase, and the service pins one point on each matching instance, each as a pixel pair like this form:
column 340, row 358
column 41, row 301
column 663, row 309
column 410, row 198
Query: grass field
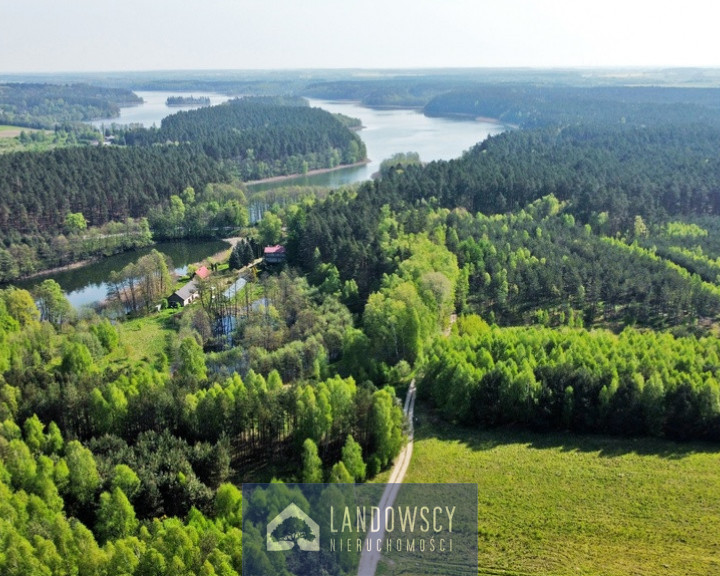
column 14, row 131
column 10, row 131
column 9, row 141
column 144, row 337
column 560, row 504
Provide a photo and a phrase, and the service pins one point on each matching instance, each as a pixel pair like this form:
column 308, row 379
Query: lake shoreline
column 463, row 116
column 64, row 268
column 95, row 259
column 308, row 173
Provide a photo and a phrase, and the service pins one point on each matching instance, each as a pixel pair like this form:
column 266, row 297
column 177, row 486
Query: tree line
column 142, row 285
column 38, row 190
column 35, row 253
column 632, row 383
column 217, row 210
column 533, row 105
column 655, row 172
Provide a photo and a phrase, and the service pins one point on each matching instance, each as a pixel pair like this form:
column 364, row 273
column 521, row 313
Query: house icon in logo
column 304, row 531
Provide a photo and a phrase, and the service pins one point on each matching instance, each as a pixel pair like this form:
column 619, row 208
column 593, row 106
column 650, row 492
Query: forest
column 49, row 105
column 188, row 101
column 655, row 172
column 531, row 106
column 109, row 465
column 533, row 98
column 242, row 140
column 106, row 186
column 262, row 136
column 634, row 383
column 563, row 230
column 559, row 277
column 598, row 185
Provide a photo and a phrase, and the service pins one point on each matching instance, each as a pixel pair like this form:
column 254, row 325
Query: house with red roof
column 202, row 272
column 274, row 254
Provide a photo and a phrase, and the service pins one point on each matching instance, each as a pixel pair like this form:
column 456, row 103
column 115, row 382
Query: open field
column 14, row 131
column 560, row 504
column 11, row 131
column 37, row 140
column 144, row 337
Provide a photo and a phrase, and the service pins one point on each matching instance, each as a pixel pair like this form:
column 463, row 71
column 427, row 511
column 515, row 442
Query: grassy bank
column 557, row 504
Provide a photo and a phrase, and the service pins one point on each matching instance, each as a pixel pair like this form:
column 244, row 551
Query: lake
column 154, row 109
column 386, row 132
column 87, row 285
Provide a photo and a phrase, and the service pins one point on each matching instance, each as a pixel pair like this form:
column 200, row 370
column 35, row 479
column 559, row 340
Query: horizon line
column 569, row 67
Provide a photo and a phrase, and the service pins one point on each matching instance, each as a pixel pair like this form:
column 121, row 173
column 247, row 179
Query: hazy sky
column 97, row 35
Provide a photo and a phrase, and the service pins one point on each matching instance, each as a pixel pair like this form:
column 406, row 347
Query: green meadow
column 144, row 338
column 36, row 140
column 561, row 504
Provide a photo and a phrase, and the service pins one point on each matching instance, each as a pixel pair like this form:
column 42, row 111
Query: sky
column 129, row 35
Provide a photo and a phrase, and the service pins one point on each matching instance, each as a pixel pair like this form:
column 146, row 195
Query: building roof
column 202, row 272
column 277, row 249
column 258, row 304
column 238, row 285
column 186, row 291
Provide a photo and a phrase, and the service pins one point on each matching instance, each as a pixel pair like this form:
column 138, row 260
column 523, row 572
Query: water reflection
column 87, row 285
